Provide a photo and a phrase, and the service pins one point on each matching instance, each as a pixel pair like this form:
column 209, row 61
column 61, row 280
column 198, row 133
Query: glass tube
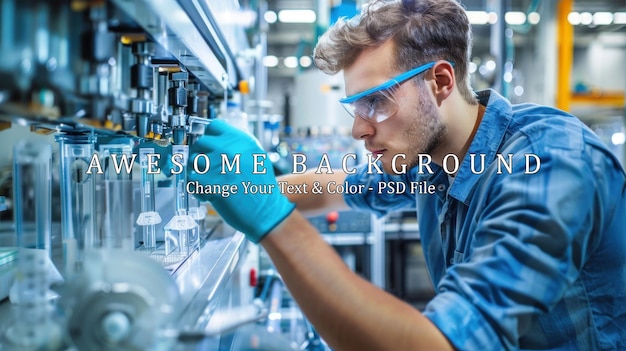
column 180, row 179
column 117, row 187
column 32, row 213
column 32, row 194
column 148, row 218
column 182, row 235
column 198, row 212
column 77, row 197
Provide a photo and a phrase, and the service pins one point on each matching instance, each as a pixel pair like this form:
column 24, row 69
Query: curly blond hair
column 422, row 31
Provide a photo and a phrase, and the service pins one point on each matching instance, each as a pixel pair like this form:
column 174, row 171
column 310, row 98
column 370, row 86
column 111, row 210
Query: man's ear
column 443, row 80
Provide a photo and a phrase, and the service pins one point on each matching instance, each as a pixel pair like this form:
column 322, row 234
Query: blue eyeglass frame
column 399, row 79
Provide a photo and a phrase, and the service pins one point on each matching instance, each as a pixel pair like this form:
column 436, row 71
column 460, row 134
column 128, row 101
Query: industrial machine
column 101, row 247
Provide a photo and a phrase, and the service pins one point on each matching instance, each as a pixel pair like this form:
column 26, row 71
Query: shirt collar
column 488, row 139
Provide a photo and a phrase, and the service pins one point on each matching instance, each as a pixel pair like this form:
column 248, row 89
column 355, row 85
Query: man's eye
column 373, row 101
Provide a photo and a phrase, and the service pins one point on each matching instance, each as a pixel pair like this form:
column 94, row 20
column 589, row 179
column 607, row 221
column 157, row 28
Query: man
column 526, row 252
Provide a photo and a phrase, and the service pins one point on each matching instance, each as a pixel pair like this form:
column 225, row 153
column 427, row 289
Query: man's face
column 415, row 128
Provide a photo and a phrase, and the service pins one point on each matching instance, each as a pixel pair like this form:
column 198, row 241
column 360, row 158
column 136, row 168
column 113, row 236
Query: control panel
column 343, row 222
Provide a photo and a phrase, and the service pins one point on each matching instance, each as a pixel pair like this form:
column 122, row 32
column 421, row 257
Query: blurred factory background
column 128, row 260
column 568, row 54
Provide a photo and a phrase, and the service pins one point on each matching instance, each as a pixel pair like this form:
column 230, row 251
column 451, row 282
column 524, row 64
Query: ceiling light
column 586, row 18
column 270, row 61
column 490, row 64
column 602, row 18
column 478, row 17
column 270, row 17
column 296, row 16
column 291, row 62
column 493, row 18
column 534, row 18
column 472, row 67
column 573, row 18
column 244, row 18
column 515, row 17
column 306, row 61
column 619, row 18
column 618, row 138
column 507, row 77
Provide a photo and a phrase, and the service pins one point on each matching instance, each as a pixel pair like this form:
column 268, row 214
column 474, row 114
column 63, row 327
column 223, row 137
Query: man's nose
column 361, row 129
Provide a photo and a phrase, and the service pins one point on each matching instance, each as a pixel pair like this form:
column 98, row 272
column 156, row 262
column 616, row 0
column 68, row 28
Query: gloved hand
column 254, row 214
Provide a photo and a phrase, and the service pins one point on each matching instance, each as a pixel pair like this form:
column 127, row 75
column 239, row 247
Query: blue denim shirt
column 520, row 260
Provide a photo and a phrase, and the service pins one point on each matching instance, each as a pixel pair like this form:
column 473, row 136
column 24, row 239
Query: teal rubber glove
column 253, row 213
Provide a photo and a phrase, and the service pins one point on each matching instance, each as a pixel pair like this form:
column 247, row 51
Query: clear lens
column 378, row 103
column 375, row 107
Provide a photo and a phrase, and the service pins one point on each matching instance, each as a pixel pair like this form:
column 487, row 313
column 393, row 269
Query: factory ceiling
column 297, row 39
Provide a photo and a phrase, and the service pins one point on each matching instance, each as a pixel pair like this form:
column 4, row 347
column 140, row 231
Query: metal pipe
column 565, row 44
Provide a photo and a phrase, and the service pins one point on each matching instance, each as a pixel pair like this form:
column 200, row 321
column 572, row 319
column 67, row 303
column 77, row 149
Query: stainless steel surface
column 184, row 36
column 204, row 276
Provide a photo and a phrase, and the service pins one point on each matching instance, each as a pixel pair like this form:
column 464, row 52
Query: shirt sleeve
column 381, row 194
column 532, row 235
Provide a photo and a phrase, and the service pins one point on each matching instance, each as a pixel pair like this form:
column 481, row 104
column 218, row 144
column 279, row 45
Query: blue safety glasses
column 378, row 103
